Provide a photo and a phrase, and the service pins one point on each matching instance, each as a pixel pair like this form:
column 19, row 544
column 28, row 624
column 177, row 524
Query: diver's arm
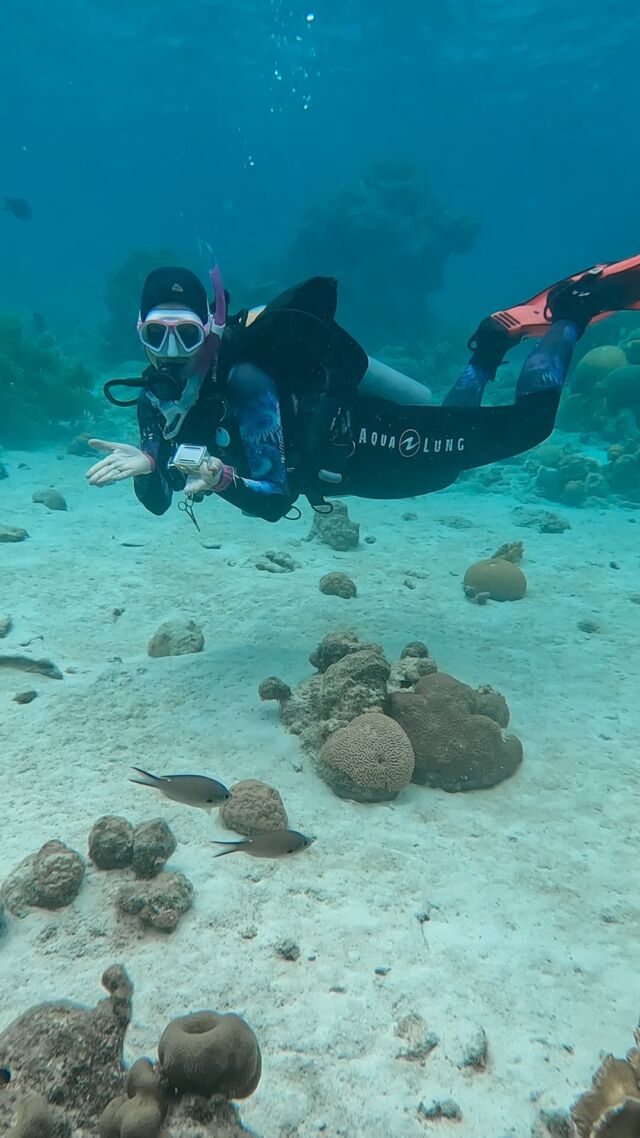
column 254, row 401
column 153, row 490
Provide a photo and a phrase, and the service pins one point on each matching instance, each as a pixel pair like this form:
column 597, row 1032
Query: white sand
column 532, row 886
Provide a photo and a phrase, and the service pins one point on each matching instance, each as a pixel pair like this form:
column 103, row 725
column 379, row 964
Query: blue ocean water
column 434, row 959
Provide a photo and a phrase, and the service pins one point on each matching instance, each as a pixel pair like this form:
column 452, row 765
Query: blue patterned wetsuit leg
column 547, row 365
column 469, row 388
column 254, row 401
column 545, row 368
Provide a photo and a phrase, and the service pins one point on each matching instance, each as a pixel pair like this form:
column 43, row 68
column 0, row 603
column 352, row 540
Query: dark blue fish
column 19, row 208
column 39, row 322
column 5, row 1077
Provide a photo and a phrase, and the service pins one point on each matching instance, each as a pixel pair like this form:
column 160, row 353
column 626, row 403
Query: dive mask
column 183, row 350
column 166, row 334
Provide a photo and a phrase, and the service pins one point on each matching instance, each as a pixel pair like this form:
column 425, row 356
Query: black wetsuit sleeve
column 271, row 507
column 153, row 490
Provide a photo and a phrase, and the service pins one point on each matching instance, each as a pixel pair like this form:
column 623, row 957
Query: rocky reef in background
column 40, row 386
column 387, row 239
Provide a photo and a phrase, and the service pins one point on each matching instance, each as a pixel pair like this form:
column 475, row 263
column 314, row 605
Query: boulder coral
column 500, row 578
column 371, row 726
column 335, row 528
column 595, row 366
column 369, row 760
column 209, row 1054
column 34, row 1119
column 139, row 1112
column 456, row 734
column 158, row 904
column 48, row 879
column 352, row 678
column 111, row 842
column 253, row 808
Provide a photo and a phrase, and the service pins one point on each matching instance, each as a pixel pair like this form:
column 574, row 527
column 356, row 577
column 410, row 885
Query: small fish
column 5, row 1077
column 19, row 208
column 276, row 843
column 39, row 322
column 190, row 789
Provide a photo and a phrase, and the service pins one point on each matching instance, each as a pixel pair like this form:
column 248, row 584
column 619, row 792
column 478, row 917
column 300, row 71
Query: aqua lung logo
column 410, row 443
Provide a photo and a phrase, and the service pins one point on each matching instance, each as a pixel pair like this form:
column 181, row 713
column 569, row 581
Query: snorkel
column 173, row 392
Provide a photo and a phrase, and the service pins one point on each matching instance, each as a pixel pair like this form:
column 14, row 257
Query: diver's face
column 172, row 335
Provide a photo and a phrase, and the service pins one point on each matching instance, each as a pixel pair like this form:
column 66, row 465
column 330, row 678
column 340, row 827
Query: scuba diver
column 279, row 401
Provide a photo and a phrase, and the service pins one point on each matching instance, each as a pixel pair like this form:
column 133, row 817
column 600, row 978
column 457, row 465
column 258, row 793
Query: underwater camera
column 189, row 458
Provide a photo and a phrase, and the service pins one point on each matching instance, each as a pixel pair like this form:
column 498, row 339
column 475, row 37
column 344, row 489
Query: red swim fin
column 619, row 282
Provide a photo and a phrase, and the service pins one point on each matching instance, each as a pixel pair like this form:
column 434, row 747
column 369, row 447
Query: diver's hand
column 207, row 478
column 122, row 461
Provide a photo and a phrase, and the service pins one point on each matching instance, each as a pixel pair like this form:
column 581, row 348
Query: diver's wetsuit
column 400, row 451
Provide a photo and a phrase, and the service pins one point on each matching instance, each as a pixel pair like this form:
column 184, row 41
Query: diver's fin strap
column 619, row 281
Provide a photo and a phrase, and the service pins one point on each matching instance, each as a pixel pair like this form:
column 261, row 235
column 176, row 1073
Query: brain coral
column 369, row 760
column 457, row 746
column 595, row 366
column 503, row 580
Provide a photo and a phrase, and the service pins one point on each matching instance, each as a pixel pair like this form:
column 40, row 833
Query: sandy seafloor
column 531, row 887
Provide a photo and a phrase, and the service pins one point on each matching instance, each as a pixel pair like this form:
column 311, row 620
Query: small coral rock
column 153, row 844
column 52, row 499
column 486, row 701
column 209, row 1054
column 502, row 579
column 336, row 528
column 338, row 585
column 333, row 647
column 274, row 562
column 111, row 842
column 354, row 684
column 139, row 1113
column 158, row 904
column 407, row 671
column 456, row 746
column 274, row 688
column 34, row 1119
column 176, row 638
column 80, row 445
column 12, row 533
column 253, row 808
column 49, row 879
column 574, row 493
column 510, row 551
column 416, row 649
column 369, row 760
